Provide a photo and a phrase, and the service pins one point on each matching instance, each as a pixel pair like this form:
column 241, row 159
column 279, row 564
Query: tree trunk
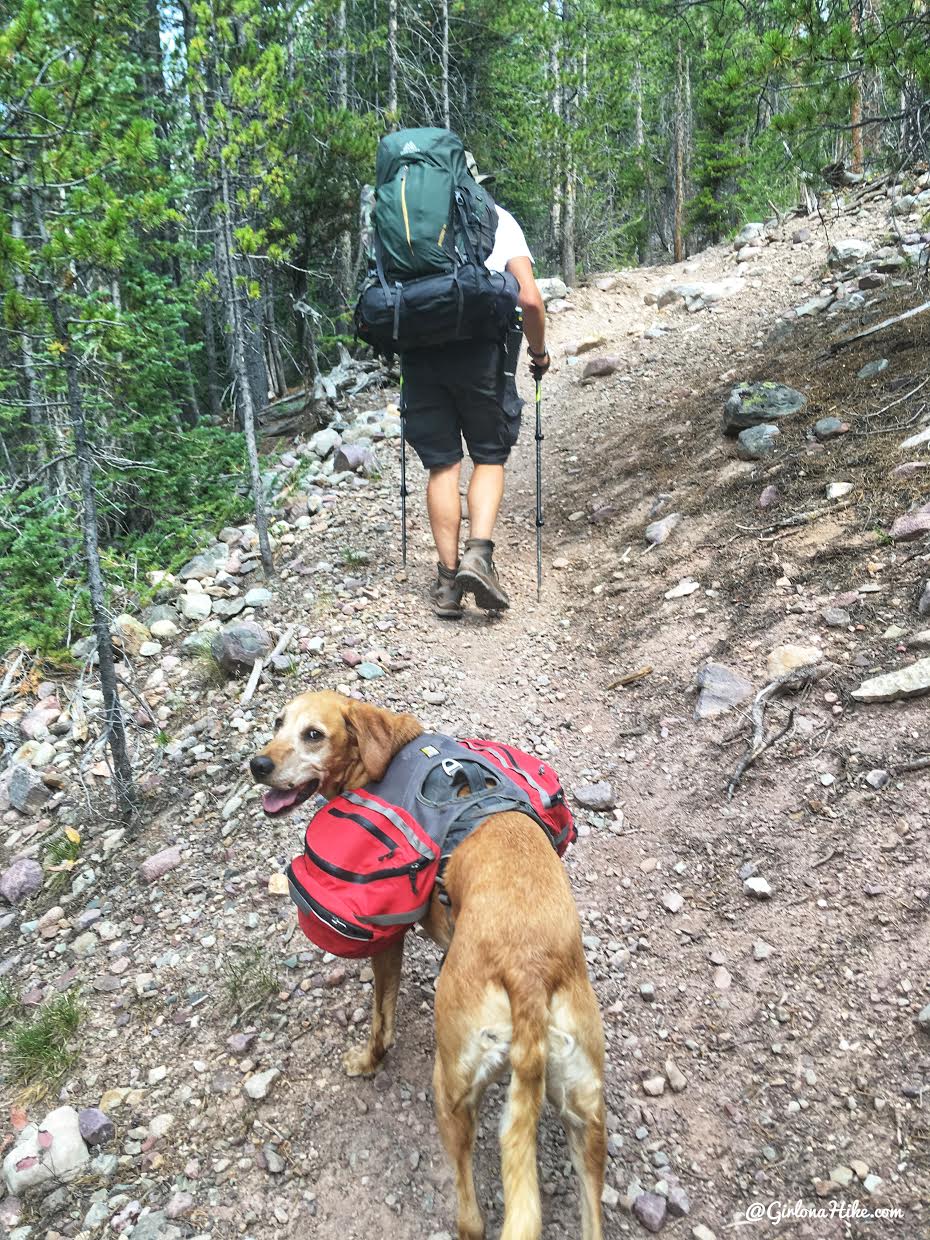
column 229, row 281
column 214, row 383
column 679, row 249
column 33, row 388
column 446, row 114
column 639, row 138
column 555, row 154
column 855, row 107
column 344, row 249
column 392, row 102
column 567, row 237
column 113, row 712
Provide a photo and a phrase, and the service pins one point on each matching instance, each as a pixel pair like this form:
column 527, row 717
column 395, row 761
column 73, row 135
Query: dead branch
column 801, row 518
column 910, row 764
column 879, row 327
column 900, row 401
column 630, row 677
column 791, row 682
column 252, row 684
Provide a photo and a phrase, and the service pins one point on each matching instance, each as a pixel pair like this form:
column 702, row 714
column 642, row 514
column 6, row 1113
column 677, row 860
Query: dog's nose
column 261, row 767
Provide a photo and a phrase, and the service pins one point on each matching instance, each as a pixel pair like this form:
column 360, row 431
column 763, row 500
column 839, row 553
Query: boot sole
column 486, row 597
column 451, row 614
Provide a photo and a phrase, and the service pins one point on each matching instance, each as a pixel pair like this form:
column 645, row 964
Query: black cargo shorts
column 461, row 391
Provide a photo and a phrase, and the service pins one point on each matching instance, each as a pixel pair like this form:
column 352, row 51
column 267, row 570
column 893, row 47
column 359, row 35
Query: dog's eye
column 312, row 735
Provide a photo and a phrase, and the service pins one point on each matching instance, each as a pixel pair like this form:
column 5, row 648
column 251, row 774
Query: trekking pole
column 403, row 474
column 539, row 510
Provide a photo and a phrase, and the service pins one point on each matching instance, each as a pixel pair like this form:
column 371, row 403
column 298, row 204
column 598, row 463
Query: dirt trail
column 790, row 1021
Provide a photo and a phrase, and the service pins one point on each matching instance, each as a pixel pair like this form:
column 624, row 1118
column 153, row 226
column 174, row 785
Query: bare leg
column 445, row 511
column 364, row 1060
column 457, row 1124
column 484, row 500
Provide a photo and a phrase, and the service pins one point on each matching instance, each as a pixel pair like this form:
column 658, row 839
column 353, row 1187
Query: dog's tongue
column 274, row 800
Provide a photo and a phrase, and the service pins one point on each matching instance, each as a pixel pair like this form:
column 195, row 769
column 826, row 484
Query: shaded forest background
column 179, row 209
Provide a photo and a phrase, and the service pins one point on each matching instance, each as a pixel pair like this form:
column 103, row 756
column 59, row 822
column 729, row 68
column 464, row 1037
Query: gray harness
column 428, row 777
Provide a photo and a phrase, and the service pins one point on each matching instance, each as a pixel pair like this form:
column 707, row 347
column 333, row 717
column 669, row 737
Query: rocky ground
column 759, row 942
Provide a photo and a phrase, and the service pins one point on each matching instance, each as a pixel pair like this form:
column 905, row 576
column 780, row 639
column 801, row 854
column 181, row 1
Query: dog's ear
column 379, row 735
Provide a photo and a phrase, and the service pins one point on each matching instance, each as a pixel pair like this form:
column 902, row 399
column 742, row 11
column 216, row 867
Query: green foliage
column 38, row 1048
column 250, row 978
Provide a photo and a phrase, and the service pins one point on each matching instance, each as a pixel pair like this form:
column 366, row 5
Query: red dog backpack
column 371, row 857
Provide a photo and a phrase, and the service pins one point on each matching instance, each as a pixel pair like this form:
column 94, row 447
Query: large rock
column 600, row 367
column 749, row 234
column 324, row 442
column 552, row 289
column 720, row 690
column 751, row 404
column 907, row 682
column 757, row 442
column 236, row 646
column 911, row 526
column 923, row 603
column 36, row 721
column 20, row 880
column 698, row 296
column 129, row 635
column 917, row 440
column 50, row 1152
column 207, row 564
column 356, row 458
column 25, row 789
column 850, row 250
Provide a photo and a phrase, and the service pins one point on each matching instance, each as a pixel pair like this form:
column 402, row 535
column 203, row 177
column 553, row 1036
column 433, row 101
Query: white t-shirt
column 509, row 242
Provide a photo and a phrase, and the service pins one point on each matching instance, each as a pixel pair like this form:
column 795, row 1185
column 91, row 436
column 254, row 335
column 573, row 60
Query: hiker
column 460, row 391
column 457, row 339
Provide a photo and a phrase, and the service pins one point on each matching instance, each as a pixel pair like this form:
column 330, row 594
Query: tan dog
column 513, row 992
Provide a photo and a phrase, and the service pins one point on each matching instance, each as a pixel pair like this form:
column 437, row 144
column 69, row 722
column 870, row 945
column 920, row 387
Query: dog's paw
column 360, row 1062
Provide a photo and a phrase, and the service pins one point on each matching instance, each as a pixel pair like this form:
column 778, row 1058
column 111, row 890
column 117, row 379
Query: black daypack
column 434, row 227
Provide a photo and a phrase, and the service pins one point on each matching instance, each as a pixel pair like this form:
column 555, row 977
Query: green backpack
column 434, row 226
column 430, row 216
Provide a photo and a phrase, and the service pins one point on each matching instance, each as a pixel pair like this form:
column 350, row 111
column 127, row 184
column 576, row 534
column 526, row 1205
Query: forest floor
column 803, row 1074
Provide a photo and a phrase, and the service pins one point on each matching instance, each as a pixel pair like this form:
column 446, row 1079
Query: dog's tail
column 529, row 1013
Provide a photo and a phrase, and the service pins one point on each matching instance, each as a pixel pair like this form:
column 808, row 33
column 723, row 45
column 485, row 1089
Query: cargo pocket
column 510, row 403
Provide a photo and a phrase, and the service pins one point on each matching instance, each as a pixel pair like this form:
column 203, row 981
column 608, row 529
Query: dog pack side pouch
column 539, row 782
column 366, row 874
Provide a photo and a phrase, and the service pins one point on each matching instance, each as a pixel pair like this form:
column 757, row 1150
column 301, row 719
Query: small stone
column 659, row 531
column 650, row 1209
column 758, row 888
column 673, row 901
column 237, row 646
column 842, row 1176
column 871, row 370
column 872, row 1183
column 598, row 796
column 721, row 688
column 770, row 497
column 25, row 788
column 369, row 671
column 679, row 1204
column 195, row 606
column 258, row 597
column 836, row 617
column 160, row 863
column 95, row 1127
column 700, row 1232
column 784, row 659
column 826, row 429
column 21, row 880
column 259, row 1085
column 180, row 1205
column 164, row 628
column 878, row 779
column 755, row 443
column 647, row 992
column 601, row 367
column 683, row 589
column 923, row 1018
column 654, row 1086
column 676, row 1078
column 761, row 950
column 752, row 404
column 838, row 490
column 610, row 1197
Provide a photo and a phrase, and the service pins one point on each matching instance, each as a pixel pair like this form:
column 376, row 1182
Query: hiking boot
column 446, row 594
column 478, row 576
